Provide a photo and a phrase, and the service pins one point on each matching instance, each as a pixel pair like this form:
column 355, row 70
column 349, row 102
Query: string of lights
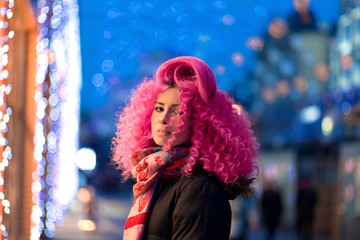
column 56, row 131
column 6, row 14
column 39, row 176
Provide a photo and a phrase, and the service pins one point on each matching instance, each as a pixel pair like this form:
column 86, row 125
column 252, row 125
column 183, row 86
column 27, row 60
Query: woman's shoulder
column 199, row 182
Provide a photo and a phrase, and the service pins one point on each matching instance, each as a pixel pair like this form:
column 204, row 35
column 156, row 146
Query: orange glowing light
column 277, row 28
column 283, row 88
column 300, row 83
column 237, row 59
column 255, row 43
column 238, row 108
column 51, row 56
column 322, row 71
column 84, row 195
column 269, row 95
column 346, row 62
column 86, row 225
column 220, row 70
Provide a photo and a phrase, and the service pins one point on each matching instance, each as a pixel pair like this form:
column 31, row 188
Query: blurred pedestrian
column 272, row 208
column 305, row 208
column 189, row 150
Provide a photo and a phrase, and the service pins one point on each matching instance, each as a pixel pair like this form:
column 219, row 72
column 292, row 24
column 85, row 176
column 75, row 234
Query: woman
column 189, row 150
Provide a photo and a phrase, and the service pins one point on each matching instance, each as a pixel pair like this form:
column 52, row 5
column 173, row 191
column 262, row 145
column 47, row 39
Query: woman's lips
column 163, row 132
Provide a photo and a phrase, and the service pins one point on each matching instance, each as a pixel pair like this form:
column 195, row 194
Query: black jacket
column 190, row 208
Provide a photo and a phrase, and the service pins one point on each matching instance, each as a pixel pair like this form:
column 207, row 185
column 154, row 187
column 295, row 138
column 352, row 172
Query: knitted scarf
column 152, row 164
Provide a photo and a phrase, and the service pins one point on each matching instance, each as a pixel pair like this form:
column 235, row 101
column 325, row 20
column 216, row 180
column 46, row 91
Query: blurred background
column 67, row 67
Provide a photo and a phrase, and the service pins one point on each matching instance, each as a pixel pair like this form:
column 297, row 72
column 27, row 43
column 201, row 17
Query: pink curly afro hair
column 222, row 142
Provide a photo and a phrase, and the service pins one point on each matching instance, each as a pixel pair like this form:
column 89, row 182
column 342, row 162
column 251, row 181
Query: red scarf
column 152, row 164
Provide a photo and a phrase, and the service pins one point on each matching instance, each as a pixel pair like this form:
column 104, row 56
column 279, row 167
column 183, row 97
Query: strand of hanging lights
column 39, row 186
column 58, row 85
column 5, row 111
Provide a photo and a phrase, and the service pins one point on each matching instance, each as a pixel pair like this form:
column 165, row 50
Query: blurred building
column 345, row 66
column 18, row 106
column 308, row 82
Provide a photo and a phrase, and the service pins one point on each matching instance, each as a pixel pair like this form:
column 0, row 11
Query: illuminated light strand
column 39, row 185
column 57, row 68
column 70, row 109
column 5, row 111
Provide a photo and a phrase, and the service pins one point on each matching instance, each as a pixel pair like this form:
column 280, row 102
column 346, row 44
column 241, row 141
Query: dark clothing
column 303, row 22
column 271, row 204
column 306, row 202
column 190, row 208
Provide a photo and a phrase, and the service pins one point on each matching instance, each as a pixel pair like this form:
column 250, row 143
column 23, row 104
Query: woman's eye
column 159, row 109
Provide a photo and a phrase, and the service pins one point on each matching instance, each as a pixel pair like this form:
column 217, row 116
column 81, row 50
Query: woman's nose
column 164, row 119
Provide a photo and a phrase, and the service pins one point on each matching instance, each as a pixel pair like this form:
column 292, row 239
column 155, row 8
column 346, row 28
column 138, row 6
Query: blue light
column 346, row 108
column 107, row 34
column 228, row 19
column 55, row 21
column 51, row 217
column 98, row 79
column 40, row 170
column 260, row 11
column 219, row 5
column 49, row 233
column 57, row 9
column 310, row 114
column 50, row 180
column 43, row 32
column 112, row 13
column 107, row 65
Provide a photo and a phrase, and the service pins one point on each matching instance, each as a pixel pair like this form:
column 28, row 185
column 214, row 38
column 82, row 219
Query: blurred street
column 110, row 215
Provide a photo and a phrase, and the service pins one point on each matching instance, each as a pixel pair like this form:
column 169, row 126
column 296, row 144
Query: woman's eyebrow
column 172, row 105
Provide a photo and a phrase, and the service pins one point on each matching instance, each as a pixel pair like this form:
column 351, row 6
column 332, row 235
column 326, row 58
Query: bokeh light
column 86, row 159
column 310, row 114
column 278, row 28
column 237, row 59
column 327, row 125
column 255, row 43
column 322, row 71
column 346, row 62
column 86, row 225
column 300, row 83
column 84, row 195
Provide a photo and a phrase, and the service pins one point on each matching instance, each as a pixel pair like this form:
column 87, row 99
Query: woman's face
column 166, row 107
